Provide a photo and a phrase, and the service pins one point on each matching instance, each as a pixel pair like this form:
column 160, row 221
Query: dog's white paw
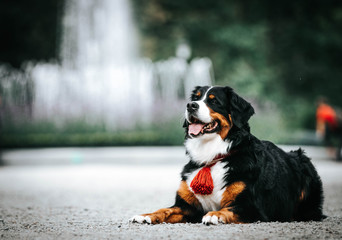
column 207, row 220
column 140, row 219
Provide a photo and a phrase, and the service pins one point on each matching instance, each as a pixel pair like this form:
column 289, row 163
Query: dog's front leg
column 164, row 215
column 225, row 215
column 184, row 209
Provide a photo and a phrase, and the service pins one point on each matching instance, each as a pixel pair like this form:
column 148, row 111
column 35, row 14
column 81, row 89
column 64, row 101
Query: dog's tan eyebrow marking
column 211, row 96
column 198, row 94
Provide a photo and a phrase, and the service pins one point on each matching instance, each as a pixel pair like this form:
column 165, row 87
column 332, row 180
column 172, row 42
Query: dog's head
column 215, row 110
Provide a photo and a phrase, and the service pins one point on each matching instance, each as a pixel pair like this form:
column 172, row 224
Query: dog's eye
column 194, row 98
column 214, row 101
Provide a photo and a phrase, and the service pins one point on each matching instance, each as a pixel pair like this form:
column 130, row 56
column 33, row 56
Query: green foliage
column 270, row 51
column 267, row 125
column 279, row 53
column 80, row 133
column 270, row 126
column 29, row 30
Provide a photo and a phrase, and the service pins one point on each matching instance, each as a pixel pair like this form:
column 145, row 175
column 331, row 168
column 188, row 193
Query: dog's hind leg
column 311, row 197
column 310, row 204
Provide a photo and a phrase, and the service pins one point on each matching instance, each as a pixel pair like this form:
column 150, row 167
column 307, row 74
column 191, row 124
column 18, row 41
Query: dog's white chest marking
column 211, row 202
column 203, row 149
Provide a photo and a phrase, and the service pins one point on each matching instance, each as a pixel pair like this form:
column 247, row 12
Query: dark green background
column 281, row 55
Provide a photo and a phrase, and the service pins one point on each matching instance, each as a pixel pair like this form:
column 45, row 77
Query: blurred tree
column 307, row 45
column 267, row 50
column 29, row 30
column 236, row 39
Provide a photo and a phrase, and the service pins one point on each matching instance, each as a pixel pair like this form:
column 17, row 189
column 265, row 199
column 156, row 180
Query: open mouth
column 196, row 127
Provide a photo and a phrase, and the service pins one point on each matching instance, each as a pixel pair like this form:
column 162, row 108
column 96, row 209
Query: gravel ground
column 95, row 201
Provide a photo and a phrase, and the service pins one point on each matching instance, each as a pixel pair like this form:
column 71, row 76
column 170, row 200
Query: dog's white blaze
column 203, row 149
column 211, row 202
column 203, row 112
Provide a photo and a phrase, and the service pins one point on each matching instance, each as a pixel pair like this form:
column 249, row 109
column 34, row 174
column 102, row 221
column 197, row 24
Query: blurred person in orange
column 327, row 125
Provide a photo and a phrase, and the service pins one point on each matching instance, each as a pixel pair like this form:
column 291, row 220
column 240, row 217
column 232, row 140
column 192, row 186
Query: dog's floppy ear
column 240, row 109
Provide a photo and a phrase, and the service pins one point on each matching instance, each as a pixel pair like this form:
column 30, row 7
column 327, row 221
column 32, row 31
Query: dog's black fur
column 274, row 179
column 274, row 185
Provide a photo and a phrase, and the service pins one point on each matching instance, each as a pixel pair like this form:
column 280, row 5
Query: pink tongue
column 195, row 128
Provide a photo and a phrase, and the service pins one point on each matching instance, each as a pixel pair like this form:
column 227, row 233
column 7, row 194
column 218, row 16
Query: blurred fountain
column 101, row 78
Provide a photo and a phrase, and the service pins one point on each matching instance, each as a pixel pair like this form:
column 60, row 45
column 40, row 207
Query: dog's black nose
column 192, row 106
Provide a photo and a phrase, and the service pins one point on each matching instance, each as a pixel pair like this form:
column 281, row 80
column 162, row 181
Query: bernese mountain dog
column 232, row 176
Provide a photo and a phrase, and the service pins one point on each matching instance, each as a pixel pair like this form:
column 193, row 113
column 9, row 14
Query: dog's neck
column 204, row 149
